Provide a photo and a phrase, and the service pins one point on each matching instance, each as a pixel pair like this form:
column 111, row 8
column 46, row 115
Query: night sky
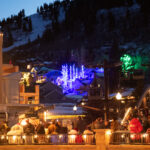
column 12, row 7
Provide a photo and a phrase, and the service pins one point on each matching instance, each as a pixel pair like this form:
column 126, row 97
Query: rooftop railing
column 50, row 139
column 125, row 137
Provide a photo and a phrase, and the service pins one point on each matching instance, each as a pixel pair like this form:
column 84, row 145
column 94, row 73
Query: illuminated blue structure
column 70, row 75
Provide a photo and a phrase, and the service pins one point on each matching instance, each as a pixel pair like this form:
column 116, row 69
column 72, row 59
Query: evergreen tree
column 111, row 21
column 23, row 13
column 38, row 10
column 50, row 8
column 38, row 37
column 10, row 38
column 41, row 10
column 29, row 41
column 129, row 3
column 30, row 24
column 45, row 7
column 24, row 27
column 114, row 57
column 48, row 35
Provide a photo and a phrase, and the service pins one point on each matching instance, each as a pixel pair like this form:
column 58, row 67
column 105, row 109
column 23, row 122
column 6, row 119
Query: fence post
column 102, row 138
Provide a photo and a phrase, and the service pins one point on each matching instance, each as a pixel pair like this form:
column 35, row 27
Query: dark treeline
column 15, row 22
column 84, row 26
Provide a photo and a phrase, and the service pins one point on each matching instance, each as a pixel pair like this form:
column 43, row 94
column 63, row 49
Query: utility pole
column 106, row 66
column 1, row 65
column 106, row 87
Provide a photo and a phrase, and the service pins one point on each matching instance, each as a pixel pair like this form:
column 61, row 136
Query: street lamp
column 75, row 108
column 45, row 116
column 28, row 66
column 118, row 96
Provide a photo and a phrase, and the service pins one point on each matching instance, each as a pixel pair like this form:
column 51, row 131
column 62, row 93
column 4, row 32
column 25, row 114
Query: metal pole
column 1, row 71
column 106, row 91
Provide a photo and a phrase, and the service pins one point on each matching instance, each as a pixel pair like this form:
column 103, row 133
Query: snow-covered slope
column 38, row 25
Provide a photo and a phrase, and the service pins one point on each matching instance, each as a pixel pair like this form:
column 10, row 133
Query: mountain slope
column 38, row 24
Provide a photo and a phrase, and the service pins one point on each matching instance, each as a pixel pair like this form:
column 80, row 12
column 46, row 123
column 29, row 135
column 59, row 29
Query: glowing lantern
column 72, row 136
column 23, row 122
column 14, row 138
column 2, row 137
column 118, row 96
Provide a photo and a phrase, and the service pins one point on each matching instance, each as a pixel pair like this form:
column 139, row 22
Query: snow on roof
column 47, row 62
column 65, row 110
column 74, row 96
column 125, row 93
column 86, row 81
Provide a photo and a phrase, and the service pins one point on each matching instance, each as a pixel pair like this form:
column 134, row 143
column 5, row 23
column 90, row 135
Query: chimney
column 1, row 63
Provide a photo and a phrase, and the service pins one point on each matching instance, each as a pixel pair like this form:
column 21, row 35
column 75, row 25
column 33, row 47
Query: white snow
column 119, row 11
column 38, row 25
column 61, row 15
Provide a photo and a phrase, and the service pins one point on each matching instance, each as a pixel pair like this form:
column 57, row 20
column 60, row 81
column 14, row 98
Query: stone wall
column 129, row 147
column 48, row 147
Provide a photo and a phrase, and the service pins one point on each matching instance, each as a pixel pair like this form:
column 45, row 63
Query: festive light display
column 133, row 64
column 127, row 62
column 71, row 72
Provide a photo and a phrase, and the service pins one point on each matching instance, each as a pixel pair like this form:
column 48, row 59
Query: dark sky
column 12, row 7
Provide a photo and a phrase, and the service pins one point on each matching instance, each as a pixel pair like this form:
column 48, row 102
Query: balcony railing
column 125, row 137
column 52, row 139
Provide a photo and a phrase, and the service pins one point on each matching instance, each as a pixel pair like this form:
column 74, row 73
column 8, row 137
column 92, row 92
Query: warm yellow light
column 60, row 136
column 73, row 136
column 23, row 122
column 122, row 135
column 28, row 66
column 132, row 136
column 75, row 108
column 48, row 136
column 1, row 34
column 23, row 136
column 145, row 135
column 35, row 136
column 14, row 137
column 118, row 96
column 45, row 115
column 2, row 137
column 84, row 136
column 108, row 132
column 83, row 103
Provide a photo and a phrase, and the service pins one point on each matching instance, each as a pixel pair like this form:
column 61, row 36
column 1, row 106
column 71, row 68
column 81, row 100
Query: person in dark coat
column 29, row 128
column 40, row 128
column 115, row 124
column 80, row 125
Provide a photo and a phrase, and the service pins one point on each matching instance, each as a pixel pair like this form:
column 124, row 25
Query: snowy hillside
column 38, row 25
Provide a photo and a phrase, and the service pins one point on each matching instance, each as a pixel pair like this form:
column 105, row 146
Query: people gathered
column 136, row 123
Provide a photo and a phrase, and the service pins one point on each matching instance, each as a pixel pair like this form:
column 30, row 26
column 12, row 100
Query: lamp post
column 75, row 108
column 106, row 67
column 118, row 97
